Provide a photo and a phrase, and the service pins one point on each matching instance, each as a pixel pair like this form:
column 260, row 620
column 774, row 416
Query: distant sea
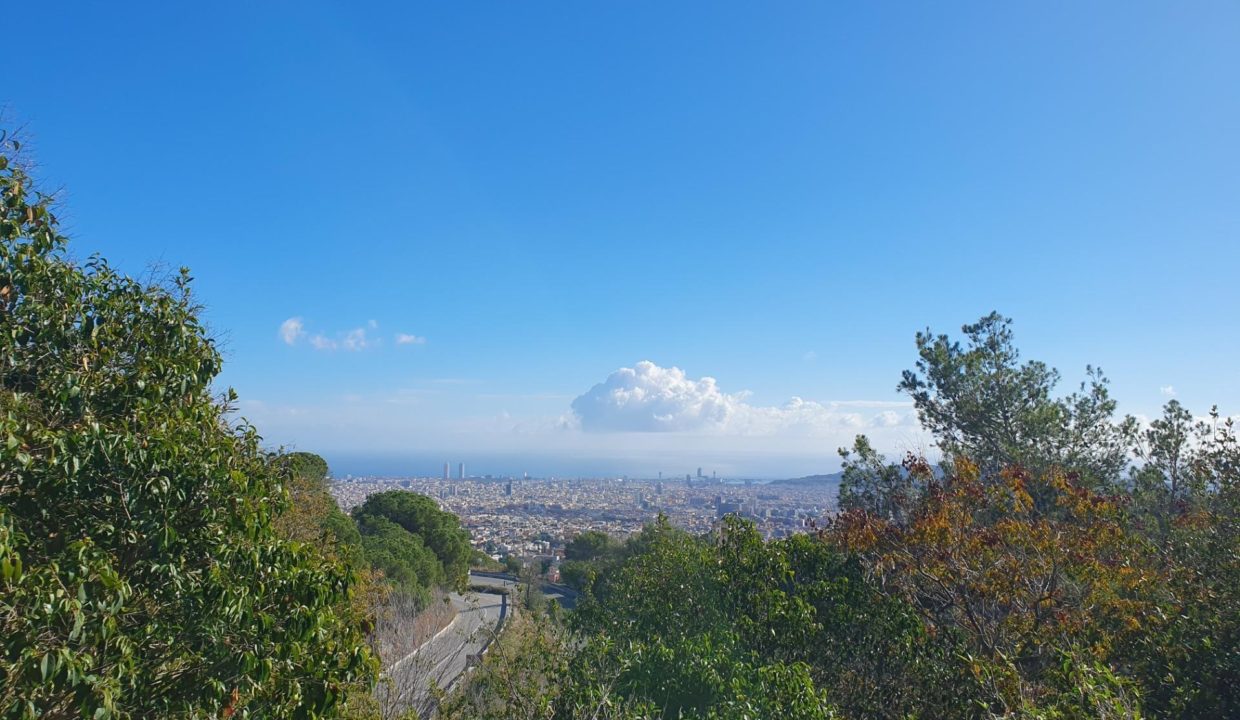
column 543, row 466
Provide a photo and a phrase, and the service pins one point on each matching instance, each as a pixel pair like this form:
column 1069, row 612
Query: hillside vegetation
column 155, row 560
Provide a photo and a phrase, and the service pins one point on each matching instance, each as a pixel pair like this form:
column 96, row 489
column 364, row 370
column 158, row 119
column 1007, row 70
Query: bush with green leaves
column 306, row 465
column 726, row 625
column 312, row 514
column 591, row 545
column 418, row 515
column 1186, row 497
column 140, row 572
column 408, row 565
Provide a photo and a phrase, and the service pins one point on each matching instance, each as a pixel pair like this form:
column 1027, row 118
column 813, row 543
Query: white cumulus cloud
column 650, row 398
column 1167, row 391
column 291, row 330
column 407, row 339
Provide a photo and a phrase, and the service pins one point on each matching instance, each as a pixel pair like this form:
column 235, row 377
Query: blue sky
column 776, row 196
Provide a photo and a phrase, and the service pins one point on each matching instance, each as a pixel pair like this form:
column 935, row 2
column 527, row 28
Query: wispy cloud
column 523, row 396
column 291, row 330
column 356, row 340
column 407, row 339
column 322, row 342
column 1167, row 391
column 873, row 404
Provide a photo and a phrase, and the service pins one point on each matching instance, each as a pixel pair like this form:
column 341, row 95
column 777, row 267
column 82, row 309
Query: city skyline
column 496, row 468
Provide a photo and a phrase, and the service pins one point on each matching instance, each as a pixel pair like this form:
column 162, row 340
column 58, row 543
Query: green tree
column 405, row 562
column 530, row 588
column 312, row 515
column 872, row 484
column 591, row 545
column 701, row 627
column 869, row 651
column 1169, row 481
column 306, row 465
column 588, row 556
column 980, row 401
column 1191, row 489
column 141, row 574
column 438, row 530
column 535, row 671
column 577, row 574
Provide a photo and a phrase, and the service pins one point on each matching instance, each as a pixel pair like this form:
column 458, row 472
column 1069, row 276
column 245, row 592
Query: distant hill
column 823, row 481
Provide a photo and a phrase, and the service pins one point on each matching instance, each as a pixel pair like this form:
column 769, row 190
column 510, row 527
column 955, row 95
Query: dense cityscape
column 533, row 518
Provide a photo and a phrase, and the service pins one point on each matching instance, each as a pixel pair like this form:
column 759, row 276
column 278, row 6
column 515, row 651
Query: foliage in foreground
column 141, row 572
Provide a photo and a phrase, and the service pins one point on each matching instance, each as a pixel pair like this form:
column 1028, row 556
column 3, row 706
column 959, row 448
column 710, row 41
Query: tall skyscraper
column 460, row 469
column 445, row 471
column 699, row 472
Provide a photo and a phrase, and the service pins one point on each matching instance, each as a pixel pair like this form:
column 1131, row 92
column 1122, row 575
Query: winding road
column 440, row 661
column 443, row 658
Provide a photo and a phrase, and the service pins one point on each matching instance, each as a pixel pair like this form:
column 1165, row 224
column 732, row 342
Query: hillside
column 830, row 481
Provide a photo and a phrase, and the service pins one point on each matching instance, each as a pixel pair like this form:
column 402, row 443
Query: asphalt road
column 567, row 597
column 442, row 659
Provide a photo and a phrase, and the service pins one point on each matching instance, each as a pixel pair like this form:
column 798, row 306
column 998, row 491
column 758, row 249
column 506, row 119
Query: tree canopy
column 419, row 517
column 141, row 573
column 980, row 401
column 590, row 545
